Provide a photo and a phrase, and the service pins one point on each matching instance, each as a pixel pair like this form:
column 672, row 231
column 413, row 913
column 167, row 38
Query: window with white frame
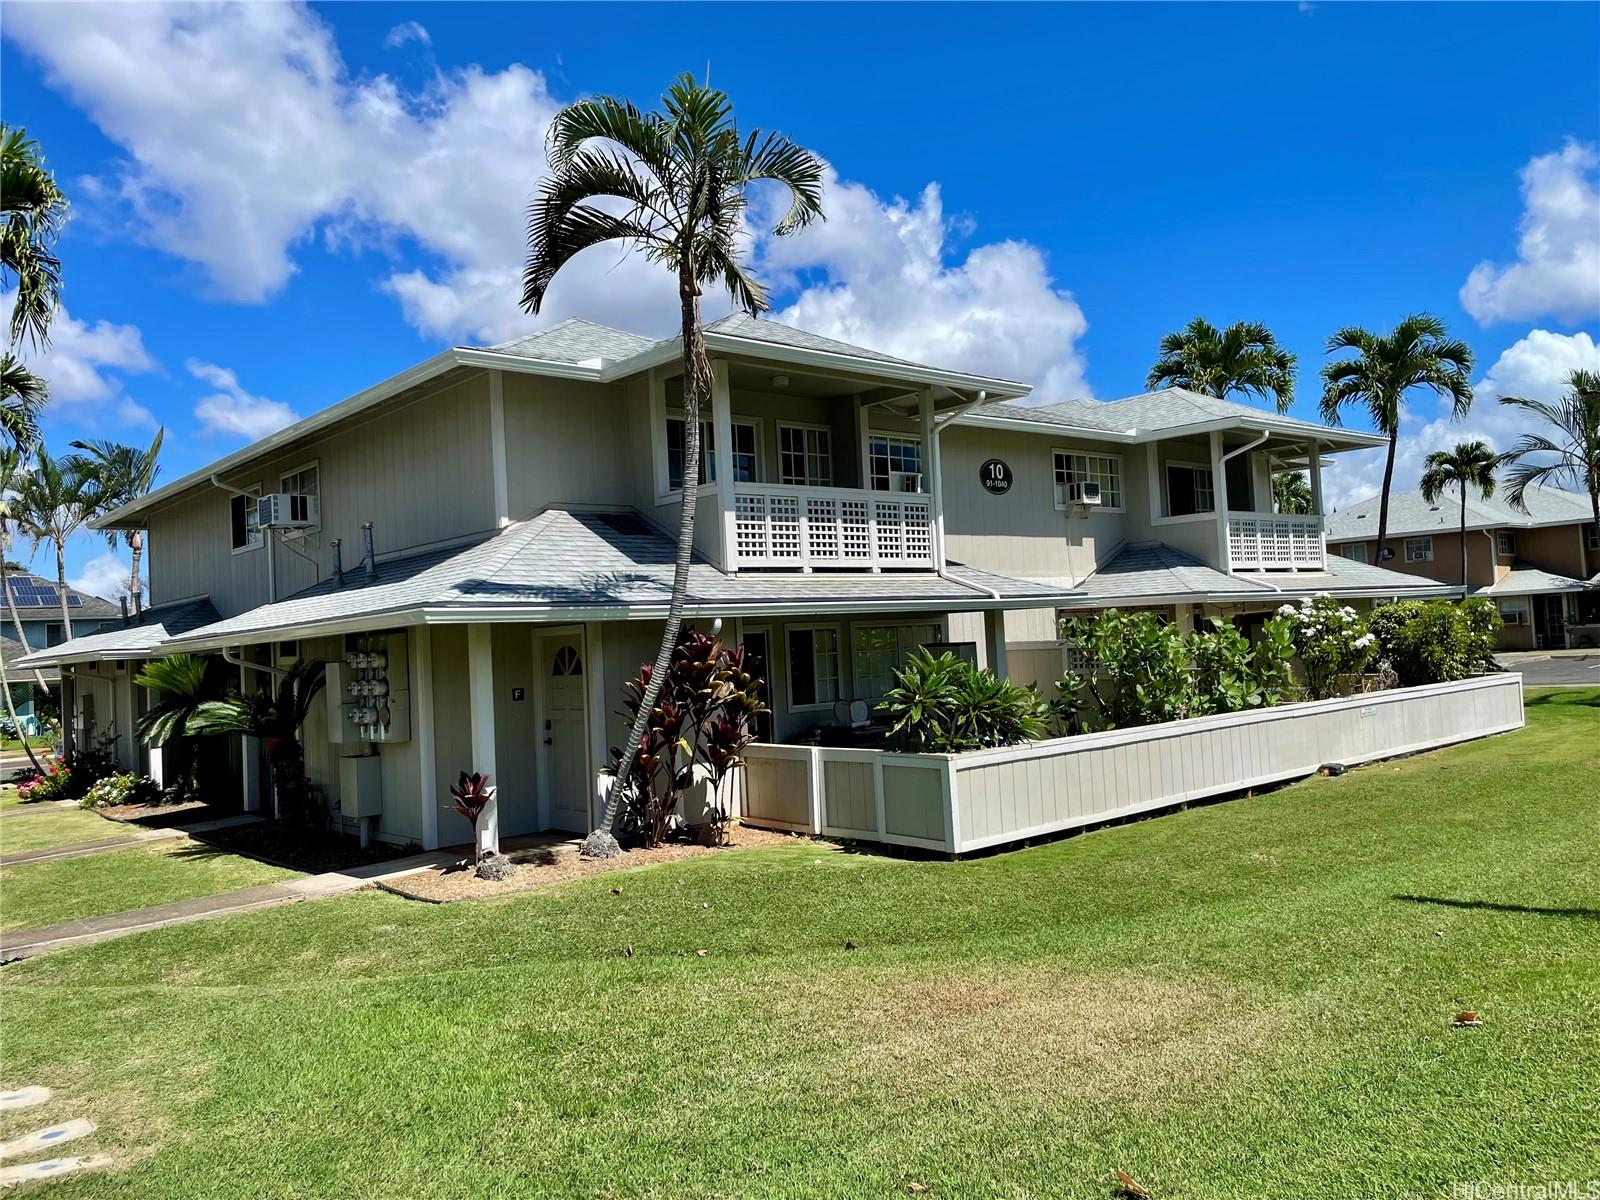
column 1191, row 489
column 1104, row 469
column 878, row 651
column 746, row 437
column 805, row 456
column 1505, row 543
column 813, row 666
column 892, row 459
column 1354, row 551
column 1419, row 549
column 244, row 520
column 1514, row 611
column 304, row 481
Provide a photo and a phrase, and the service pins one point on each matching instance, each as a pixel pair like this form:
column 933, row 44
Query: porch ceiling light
column 780, row 381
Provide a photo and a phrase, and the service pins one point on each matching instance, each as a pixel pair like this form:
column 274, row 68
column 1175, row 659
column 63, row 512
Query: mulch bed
column 309, row 850
column 540, row 866
column 164, row 816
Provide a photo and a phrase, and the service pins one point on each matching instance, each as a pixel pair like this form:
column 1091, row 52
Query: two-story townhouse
column 1179, row 517
column 1540, row 566
column 482, row 549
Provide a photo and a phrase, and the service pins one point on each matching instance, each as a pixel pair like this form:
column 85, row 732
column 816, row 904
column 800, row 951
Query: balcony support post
column 935, row 471
column 722, row 448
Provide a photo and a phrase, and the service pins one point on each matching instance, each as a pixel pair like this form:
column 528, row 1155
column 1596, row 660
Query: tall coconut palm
column 12, row 466
column 1291, row 492
column 121, row 475
column 32, row 212
column 671, row 184
column 1418, row 354
column 52, row 502
column 1243, row 358
column 1570, row 454
column 1469, row 466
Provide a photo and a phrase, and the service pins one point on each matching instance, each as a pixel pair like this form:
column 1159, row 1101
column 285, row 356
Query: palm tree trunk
column 61, row 589
column 136, row 544
column 11, row 710
column 16, row 619
column 696, row 385
column 1383, row 499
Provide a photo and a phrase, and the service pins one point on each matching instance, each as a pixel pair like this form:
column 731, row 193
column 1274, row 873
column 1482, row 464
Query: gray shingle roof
column 1525, row 578
column 1149, row 413
column 11, row 651
column 757, row 330
column 576, row 341
column 138, row 639
column 1409, row 513
column 1158, row 571
column 564, row 563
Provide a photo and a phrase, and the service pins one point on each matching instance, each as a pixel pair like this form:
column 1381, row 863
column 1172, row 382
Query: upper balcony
column 1274, row 541
column 778, row 525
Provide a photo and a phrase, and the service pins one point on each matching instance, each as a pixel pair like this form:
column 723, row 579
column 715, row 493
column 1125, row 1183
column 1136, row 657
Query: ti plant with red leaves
column 469, row 796
column 696, row 734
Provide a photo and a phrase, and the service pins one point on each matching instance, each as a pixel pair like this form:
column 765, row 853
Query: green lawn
column 43, row 893
column 36, row 831
column 1249, row 999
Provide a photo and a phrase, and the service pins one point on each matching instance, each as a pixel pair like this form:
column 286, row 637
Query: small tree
column 1138, row 671
column 276, row 719
column 1470, row 466
column 187, row 695
column 1331, row 641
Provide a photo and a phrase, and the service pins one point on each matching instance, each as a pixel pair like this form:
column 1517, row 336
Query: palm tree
column 1244, row 358
column 276, row 719
column 122, row 474
column 1292, row 493
column 32, row 212
column 1574, row 447
column 1417, row 354
column 673, row 185
column 187, row 695
column 1469, row 466
column 12, row 464
column 52, row 503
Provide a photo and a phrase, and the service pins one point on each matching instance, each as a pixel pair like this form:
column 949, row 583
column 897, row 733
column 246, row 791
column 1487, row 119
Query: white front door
column 566, row 731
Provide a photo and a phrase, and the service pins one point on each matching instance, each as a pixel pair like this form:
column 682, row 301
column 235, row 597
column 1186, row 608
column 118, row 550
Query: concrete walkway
column 26, row 943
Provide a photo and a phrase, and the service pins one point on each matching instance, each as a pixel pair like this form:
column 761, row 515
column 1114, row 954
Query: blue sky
column 277, row 206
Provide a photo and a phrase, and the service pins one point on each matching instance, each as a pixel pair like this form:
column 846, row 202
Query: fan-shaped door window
column 567, row 662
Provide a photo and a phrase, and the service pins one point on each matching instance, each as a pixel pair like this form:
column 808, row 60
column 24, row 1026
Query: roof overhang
column 1327, row 438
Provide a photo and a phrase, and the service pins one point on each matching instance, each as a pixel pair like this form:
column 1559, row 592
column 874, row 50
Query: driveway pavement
column 1555, row 668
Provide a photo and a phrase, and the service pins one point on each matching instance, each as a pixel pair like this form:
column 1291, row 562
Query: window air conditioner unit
column 286, row 510
column 1083, row 493
column 905, row 481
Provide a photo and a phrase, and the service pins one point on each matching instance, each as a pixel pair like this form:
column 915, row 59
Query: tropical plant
column 12, row 466
column 1332, row 642
column 186, row 696
column 52, row 502
column 276, row 717
column 120, row 475
column 1137, row 671
column 116, row 790
column 1483, row 621
column 944, row 704
column 1469, row 466
column 1570, row 453
column 470, row 796
column 673, row 185
column 32, row 212
column 1433, row 641
column 1291, row 492
column 702, row 720
column 1231, row 675
column 1244, row 357
column 1418, row 354
column 54, row 782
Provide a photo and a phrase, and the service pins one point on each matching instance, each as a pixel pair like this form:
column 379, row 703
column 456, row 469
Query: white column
column 930, row 450
column 722, row 443
column 480, row 692
column 422, row 730
column 594, row 669
column 249, row 760
column 994, row 641
column 497, row 443
column 1152, row 473
column 69, row 711
column 863, row 424
column 1219, row 498
column 1315, row 465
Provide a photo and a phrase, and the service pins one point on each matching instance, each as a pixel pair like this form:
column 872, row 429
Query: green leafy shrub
column 115, row 790
column 1483, row 624
column 54, row 784
column 1231, row 675
column 943, row 705
column 1333, row 644
column 1434, row 641
column 1138, row 672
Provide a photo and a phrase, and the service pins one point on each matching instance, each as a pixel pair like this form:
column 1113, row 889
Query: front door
column 760, row 660
column 566, row 731
column 1551, row 627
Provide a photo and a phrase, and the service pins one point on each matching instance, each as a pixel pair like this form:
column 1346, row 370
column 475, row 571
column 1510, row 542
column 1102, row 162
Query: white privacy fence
column 1274, row 540
column 963, row 802
column 781, row 526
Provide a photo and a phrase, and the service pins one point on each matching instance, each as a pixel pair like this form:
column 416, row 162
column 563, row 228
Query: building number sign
column 995, row 476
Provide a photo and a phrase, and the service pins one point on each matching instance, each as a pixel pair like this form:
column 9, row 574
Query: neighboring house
column 1541, row 567
column 482, row 549
column 38, row 605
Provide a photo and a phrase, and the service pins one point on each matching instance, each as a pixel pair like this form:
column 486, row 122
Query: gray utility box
column 360, row 786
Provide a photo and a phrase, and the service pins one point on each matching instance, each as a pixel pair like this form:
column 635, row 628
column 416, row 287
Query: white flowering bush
column 115, row 790
column 1331, row 641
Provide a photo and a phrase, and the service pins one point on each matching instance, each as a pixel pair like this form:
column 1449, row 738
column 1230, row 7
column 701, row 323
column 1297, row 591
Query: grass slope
column 1246, row 999
column 41, row 830
column 44, row 893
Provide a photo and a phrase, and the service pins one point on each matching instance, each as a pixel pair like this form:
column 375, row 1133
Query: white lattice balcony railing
column 780, row 526
column 1260, row 540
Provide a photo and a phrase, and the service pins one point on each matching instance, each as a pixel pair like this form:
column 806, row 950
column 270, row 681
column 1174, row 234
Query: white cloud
column 84, row 364
column 248, row 137
column 105, row 576
column 1557, row 272
column 1535, row 367
column 232, row 411
column 408, row 31
column 887, row 286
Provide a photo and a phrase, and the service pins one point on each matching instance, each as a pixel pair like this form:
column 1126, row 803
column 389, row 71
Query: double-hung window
column 1505, row 543
column 805, row 456
column 244, row 520
column 746, row 451
column 1104, row 469
column 303, row 482
column 1354, row 551
column 878, row 651
column 1591, row 536
column 892, row 459
column 813, row 666
column 1191, row 489
column 1419, row 549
